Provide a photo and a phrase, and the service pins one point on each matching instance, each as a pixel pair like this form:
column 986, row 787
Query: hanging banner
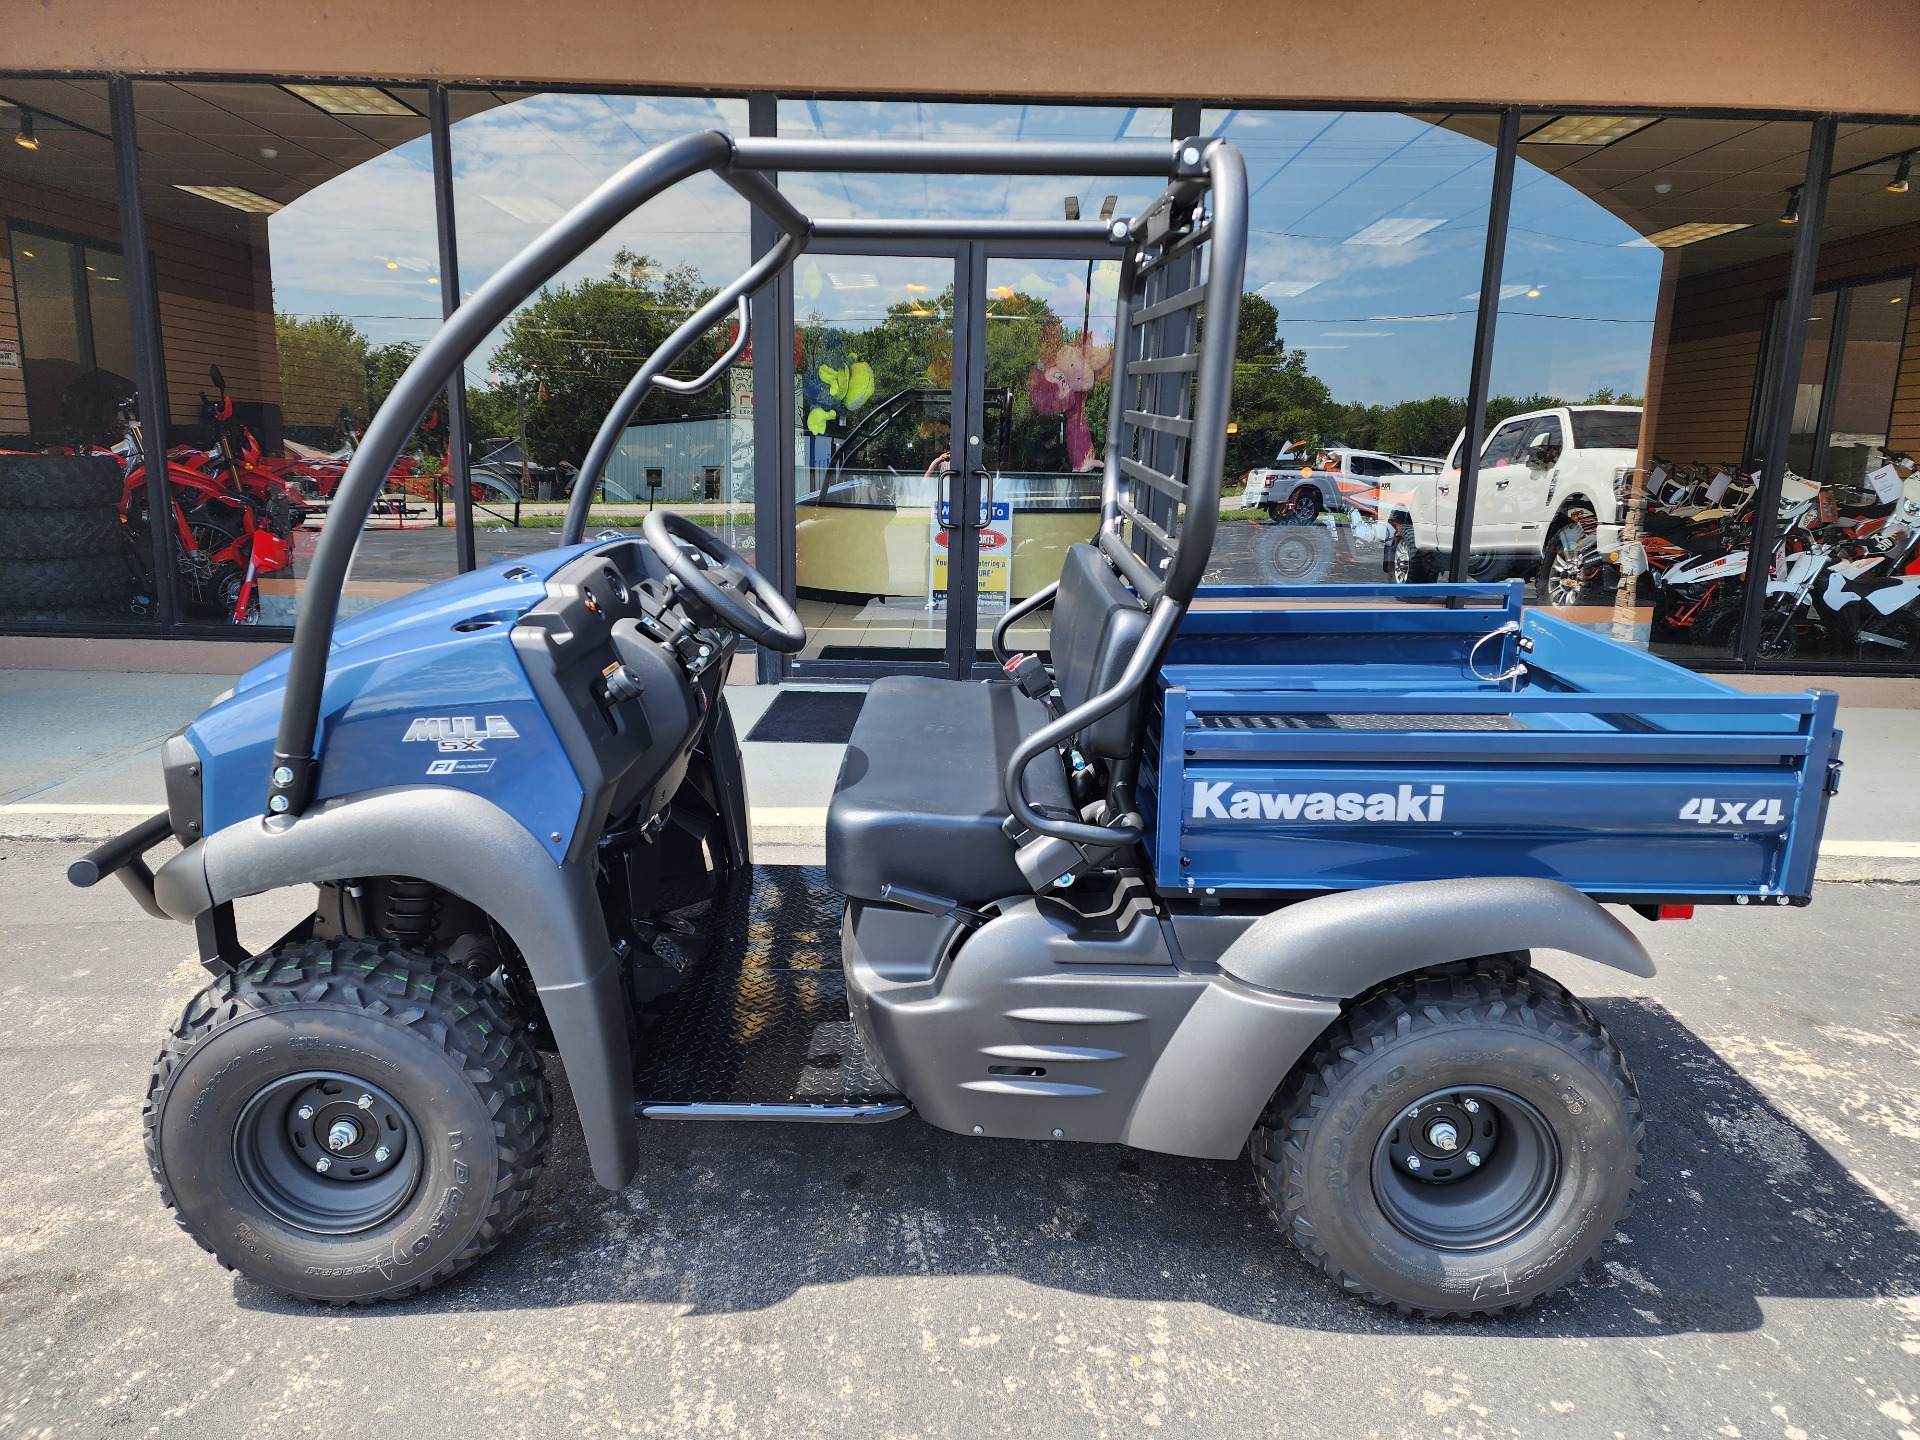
column 995, row 579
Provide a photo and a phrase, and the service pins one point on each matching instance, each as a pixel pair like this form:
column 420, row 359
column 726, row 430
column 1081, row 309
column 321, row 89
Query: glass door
column 915, row 530
column 874, row 400
column 1045, row 375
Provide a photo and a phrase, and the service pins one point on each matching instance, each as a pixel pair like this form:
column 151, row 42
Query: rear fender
column 1282, row 981
column 472, row 848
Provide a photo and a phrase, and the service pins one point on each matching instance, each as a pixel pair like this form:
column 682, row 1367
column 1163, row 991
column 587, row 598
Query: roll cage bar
column 1167, row 417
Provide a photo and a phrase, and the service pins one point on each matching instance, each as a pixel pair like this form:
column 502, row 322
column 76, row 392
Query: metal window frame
column 1791, row 340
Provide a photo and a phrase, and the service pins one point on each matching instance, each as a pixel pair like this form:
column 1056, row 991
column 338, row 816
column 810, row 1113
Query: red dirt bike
column 227, row 534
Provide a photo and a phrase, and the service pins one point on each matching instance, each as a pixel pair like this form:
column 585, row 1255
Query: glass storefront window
column 539, row 387
column 1845, row 578
column 66, row 362
column 1627, row 351
column 296, row 268
column 1356, row 341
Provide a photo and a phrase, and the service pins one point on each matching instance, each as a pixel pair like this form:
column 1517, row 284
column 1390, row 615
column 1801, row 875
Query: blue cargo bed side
column 1326, row 738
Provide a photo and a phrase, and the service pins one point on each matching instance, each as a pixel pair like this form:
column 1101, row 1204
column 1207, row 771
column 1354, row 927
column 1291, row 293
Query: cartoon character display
column 837, row 391
column 1060, row 382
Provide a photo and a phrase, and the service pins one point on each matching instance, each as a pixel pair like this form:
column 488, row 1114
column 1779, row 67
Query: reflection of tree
column 326, row 366
column 573, row 348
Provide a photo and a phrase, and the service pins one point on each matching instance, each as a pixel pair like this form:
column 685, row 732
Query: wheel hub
column 1463, row 1169
column 358, row 1128
column 327, row 1152
column 1440, row 1133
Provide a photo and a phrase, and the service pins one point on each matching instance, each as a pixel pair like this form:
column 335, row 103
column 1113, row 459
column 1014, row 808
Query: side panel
column 468, row 846
column 1032, row 1030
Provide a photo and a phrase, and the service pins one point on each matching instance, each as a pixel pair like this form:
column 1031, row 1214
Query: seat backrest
column 1097, row 624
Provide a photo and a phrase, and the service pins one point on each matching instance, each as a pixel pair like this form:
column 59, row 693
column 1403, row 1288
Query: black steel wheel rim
column 327, row 1152
column 1465, row 1168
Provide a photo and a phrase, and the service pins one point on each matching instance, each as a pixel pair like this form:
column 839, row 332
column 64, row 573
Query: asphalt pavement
column 896, row 1281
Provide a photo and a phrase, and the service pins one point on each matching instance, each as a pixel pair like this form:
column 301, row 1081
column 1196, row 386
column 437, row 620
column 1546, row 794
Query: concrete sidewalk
column 80, row 758
column 80, row 761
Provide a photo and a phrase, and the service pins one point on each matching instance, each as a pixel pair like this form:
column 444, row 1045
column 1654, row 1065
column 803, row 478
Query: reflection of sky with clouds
column 1367, row 235
column 362, row 245
column 1367, row 228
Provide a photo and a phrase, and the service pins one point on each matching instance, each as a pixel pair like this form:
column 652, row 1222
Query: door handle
column 984, row 516
column 1501, row 484
column 942, row 511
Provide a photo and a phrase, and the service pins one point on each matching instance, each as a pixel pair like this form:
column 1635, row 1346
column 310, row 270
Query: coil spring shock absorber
column 413, row 911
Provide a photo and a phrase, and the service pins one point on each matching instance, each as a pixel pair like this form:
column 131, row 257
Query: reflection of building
column 304, row 235
column 694, row 460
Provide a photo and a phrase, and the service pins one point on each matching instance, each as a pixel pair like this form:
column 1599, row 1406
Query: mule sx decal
column 458, row 732
column 1220, row 800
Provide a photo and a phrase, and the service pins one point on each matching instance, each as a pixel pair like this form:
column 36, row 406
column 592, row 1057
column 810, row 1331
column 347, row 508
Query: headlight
column 1622, row 487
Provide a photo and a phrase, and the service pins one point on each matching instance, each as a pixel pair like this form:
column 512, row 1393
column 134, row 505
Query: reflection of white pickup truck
column 1553, row 488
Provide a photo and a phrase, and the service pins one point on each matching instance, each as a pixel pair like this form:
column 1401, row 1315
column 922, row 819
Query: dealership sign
column 995, row 576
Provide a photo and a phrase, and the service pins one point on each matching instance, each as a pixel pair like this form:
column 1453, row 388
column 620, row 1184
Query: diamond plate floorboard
column 762, row 1016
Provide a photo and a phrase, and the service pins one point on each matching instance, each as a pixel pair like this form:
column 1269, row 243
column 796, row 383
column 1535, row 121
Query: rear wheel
column 347, row 1120
column 1302, row 507
column 1889, row 639
column 1569, row 564
column 1456, row 1145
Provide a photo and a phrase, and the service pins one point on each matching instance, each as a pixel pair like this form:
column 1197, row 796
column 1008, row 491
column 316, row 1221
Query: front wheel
column 347, row 1120
column 1403, row 560
column 1455, row 1146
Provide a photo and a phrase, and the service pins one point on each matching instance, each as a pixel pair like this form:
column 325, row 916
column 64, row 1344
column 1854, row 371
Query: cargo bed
column 1318, row 738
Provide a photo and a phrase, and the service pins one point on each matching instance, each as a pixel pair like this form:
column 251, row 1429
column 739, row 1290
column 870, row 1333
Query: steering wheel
column 737, row 595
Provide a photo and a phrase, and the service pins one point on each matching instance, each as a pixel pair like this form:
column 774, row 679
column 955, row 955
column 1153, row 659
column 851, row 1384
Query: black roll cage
column 1167, row 418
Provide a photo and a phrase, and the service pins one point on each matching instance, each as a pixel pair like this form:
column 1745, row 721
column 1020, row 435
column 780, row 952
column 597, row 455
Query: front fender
column 469, row 846
column 1282, row 980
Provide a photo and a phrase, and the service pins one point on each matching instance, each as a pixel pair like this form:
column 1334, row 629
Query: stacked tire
column 62, row 555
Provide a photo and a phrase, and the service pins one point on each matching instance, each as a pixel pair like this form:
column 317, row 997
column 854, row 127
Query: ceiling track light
column 1791, row 215
column 26, row 139
column 1899, row 185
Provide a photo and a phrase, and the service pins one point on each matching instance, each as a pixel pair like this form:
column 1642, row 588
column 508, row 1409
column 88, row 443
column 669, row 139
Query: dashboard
column 628, row 672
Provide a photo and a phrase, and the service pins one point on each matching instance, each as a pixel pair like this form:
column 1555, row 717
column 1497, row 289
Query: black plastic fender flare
column 1282, row 980
column 469, row 846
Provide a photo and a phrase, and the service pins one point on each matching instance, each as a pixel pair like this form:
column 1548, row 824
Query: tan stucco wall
column 1863, row 56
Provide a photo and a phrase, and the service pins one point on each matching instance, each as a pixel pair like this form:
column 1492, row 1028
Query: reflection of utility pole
column 520, row 423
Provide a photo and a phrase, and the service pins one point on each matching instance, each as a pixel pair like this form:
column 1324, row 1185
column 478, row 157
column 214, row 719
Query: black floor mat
column 892, row 654
column 810, row 717
column 762, row 1018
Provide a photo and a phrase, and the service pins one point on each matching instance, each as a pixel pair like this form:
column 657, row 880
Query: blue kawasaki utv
column 1234, row 870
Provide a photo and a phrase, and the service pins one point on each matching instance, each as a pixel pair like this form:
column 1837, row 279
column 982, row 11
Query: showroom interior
column 238, row 268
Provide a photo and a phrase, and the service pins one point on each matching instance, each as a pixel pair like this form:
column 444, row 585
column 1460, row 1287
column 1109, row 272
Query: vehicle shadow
column 1740, row 1205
